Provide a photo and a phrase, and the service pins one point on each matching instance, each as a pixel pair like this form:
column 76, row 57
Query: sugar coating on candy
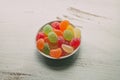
column 60, row 41
column 67, row 48
column 77, row 33
column 71, row 28
column 40, row 44
column 63, row 53
column 56, row 53
column 67, row 42
column 46, row 49
column 68, row 35
column 47, row 28
column 63, row 25
column 55, row 25
column 58, row 38
column 51, row 45
column 75, row 42
column 58, row 32
column 40, row 35
column 52, row 37
column 46, row 40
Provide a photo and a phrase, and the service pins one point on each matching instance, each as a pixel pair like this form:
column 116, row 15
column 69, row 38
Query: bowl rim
column 63, row 57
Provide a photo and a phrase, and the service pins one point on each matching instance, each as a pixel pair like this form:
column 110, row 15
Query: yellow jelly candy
column 71, row 28
column 77, row 33
column 67, row 48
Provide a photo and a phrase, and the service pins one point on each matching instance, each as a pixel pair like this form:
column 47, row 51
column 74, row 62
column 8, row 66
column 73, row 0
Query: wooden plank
column 97, row 59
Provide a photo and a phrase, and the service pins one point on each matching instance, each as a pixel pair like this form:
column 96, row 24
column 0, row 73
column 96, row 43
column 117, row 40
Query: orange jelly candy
column 46, row 40
column 56, row 53
column 40, row 44
column 58, row 32
column 63, row 25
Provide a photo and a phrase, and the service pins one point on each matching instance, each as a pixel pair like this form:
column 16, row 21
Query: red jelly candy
column 63, row 53
column 60, row 41
column 75, row 42
column 46, row 40
column 55, row 25
column 67, row 42
column 40, row 35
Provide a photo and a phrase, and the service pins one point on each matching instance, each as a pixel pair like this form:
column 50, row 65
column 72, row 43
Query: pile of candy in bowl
column 58, row 39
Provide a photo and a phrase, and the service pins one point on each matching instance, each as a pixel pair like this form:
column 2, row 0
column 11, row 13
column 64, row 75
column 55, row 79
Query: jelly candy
column 67, row 42
column 40, row 35
column 75, row 42
column 56, row 53
column 51, row 45
column 60, row 41
column 63, row 25
column 55, row 25
column 63, row 53
column 70, row 27
column 67, row 35
column 77, row 33
column 46, row 40
column 67, row 48
column 40, row 44
column 47, row 28
column 52, row 37
column 58, row 32
column 46, row 49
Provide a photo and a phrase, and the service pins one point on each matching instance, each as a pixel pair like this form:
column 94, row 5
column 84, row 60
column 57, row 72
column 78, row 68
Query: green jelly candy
column 68, row 35
column 46, row 49
column 52, row 37
column 47, row 28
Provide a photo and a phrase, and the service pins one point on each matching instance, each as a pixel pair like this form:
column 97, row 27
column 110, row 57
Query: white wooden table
column 99, row 54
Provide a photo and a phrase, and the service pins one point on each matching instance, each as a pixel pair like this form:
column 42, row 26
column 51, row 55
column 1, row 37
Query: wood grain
column 97, row 59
